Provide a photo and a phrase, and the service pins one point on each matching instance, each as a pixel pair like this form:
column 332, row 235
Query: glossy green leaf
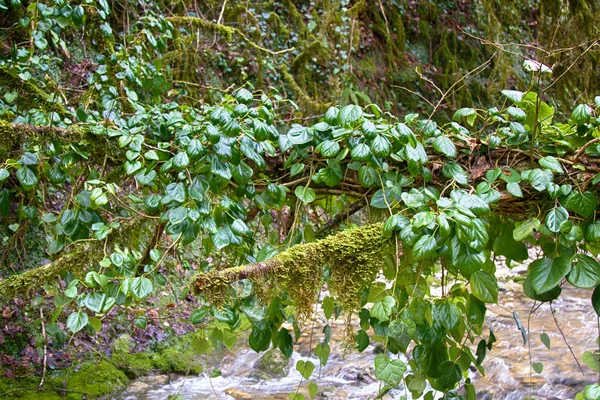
column 383, row 309
column 77, row 321
column 350, row 114
column 555, row 218
column 484, row 286
column 545, row 340
column 389, row 371
column 514, row 189
column 305, row 194
column 453, row 170
column 141, row 287
column 27, row 178
column 552, row 164
column 305, row 368
column 581, row 114
column 546, row 273
column 524, row 229
column 583, row 204
column 585, row 273
column 445, row 146
column 425, row 247
column 285, row 342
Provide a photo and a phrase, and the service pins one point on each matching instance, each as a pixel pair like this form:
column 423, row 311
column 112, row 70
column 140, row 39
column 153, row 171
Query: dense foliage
column 135, row 175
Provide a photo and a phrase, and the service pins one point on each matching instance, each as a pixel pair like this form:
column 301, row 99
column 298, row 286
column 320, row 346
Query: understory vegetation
column 175, row 176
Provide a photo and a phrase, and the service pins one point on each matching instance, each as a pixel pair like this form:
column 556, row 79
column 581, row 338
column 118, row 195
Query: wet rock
column 239, row 394
column 137, row 386
column 154, row 380
column 271, row 365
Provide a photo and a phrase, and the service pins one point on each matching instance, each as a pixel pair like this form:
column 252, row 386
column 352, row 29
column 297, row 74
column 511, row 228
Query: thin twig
column 45, row 362
column 565, row 339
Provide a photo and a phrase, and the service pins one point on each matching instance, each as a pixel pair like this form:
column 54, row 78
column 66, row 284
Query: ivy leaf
column 305, row 368
column 383, row 309
column 368, row 176
column 260, row 337
column 540, row 179
column 322, row 351
column 181, row 160
column 467, row 113
column 555, row 218
column 141, row 287
column 285, row 342
column 447, row 314
column 328, row 306
column 583, row 204
column 27, row 178
column 424, row 247
column 591, row 392
column 220, row 168
column 484, row 286
column 198, row 315
column 389, row 371
column 513, row 95
column 305, row 194
column 313, row 389
column 444, row 145
column 546, row 273
column 3, row 174
column 514, row 188
column 596, row 300
column 360, row 152
column 581, row 114
column 545, row 339
column 453, row 170
column 299, row 135
column 362, row 341
column 328, row 148
column 525, row 229
column 244, row 96
column 592, row 360
column 94, row 301
column 350, row 114
column 451, row 374
column 401, row 332
column 77, row 321
column 585, row 273
column 145, row 179
column 380, row 146
column 552, row 164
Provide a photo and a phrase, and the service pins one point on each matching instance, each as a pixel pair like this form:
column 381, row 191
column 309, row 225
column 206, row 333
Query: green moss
column 353, row 257
column 134, row 365
column 96, row 380
column 93, row 380
column 182, row 361
column 77, row 260
column 271, row 365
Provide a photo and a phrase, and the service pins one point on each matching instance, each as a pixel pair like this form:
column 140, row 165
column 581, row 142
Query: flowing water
column 350, row 375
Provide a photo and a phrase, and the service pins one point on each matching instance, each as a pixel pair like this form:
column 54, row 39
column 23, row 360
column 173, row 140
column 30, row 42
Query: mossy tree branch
column 30, row 95
column 81, row 256
column 353, row 257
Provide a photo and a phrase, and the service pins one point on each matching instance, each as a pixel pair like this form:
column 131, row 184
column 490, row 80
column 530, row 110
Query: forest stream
column 350, row 375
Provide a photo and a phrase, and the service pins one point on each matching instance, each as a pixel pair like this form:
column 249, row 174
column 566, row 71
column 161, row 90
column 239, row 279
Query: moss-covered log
column 353, row 256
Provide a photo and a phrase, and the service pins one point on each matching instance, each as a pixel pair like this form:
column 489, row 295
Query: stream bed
column 350, row 375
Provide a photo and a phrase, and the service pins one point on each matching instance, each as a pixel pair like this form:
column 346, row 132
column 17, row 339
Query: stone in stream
column 271, row 365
